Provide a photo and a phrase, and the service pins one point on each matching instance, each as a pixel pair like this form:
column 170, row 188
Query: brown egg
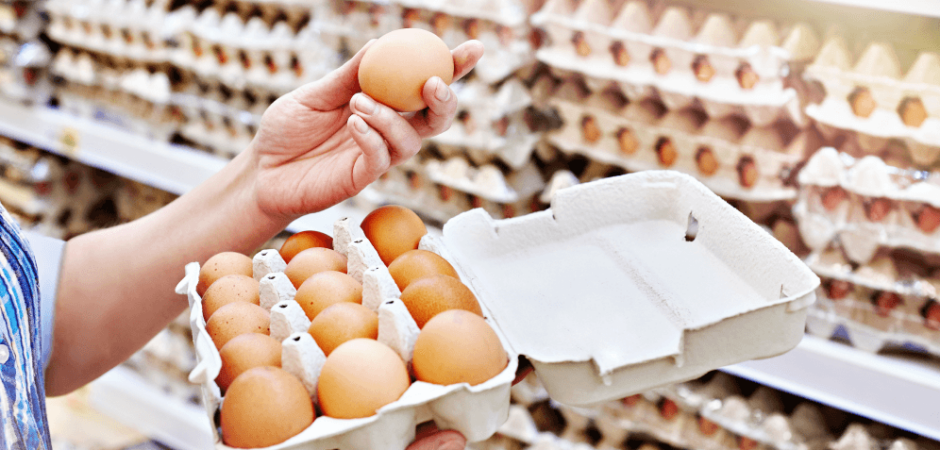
column 244, row 352
column 395, row 68
column 220, row 265
column 313, row 261
column 360, row 377
column 237, row 318
column 430, row 296
column 393, row 230
column 228, row 289
column 325, row 289
column 299, row 242
column 416, row 264
column 343, row 322
column 458, row 347
column 265, row 406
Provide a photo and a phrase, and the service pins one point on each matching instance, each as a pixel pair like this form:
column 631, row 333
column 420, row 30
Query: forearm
column 117, row 285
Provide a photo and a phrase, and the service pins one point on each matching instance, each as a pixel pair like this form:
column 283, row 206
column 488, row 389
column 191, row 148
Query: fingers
column 374, row 160
column 525, row 367
column 403, row 141
column 441, row 440
column 335, row 89
column 442, row 105
column 466, row 56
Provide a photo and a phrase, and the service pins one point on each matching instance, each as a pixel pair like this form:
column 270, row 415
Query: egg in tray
column 730, row 66
column 877, row 99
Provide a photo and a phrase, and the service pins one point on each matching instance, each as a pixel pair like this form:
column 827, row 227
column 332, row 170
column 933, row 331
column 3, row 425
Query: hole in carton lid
column 283, row 306
column 296, row 338
column 270, row 277
column 692, row 229
column 264, row 253
column 357, row 241
column 390, row 302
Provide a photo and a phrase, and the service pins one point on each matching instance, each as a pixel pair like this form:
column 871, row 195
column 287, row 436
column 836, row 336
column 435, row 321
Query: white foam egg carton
column 627, row 258
column 863, row 181
column 501, row 25
column 688, row 132
column 647, row 50
column 878, row 71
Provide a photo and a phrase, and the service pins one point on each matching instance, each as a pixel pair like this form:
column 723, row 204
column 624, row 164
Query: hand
column 325, row 141
column 428, row 437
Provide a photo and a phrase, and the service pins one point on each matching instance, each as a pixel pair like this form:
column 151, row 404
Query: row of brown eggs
column 260, row 408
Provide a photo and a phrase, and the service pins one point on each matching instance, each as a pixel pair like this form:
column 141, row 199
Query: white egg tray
column 502, row 56
column 627, row 259
column 862, row 179
column 641, row 32
column 771, row 155
column 879, row 71
column 117, row 16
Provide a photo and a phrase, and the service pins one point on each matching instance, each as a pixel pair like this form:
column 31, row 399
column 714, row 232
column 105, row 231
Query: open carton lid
column 609, row 296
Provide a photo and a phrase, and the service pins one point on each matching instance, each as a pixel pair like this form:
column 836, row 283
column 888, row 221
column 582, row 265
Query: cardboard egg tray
column 873, row 97
column 665, row 51
column 126, row 29
column 890, row 301
column 242, row 52
column 501, row 25
column 633, row 136
column 659, row 254
column 866, row 204
column 491, row 123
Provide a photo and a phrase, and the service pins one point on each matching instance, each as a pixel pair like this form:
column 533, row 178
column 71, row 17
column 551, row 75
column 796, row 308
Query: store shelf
column 896, row 390
column 172, row 168
column 126, row 397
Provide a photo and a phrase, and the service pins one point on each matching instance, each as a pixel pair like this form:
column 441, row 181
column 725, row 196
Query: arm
column 316, row 147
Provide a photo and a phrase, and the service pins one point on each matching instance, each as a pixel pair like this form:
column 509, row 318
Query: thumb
column 336, row 88
column 441, row 440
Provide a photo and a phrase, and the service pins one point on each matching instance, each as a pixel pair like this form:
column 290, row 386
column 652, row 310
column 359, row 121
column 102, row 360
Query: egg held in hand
column 264, row 406
column 359, row 377
column 457, row 346
column 395, row 68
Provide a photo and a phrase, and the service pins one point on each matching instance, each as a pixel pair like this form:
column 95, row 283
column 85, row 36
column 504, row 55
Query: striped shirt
column 23, row 346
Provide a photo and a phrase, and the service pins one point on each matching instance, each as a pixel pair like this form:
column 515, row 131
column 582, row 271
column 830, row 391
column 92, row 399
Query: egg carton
column 124, row 28
column 245, row 51
column 501, row 25
column 872, row 98
column 873, row 307
column 636, row 137
column 22, row 20
column 680, row 55
column 492, row 123
column 760, row 283
column 23, row 71
column 866, row 204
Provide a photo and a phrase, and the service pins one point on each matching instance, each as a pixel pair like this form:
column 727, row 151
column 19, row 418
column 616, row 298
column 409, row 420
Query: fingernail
column 365, row 105
column 360, row 125
column 442, row 92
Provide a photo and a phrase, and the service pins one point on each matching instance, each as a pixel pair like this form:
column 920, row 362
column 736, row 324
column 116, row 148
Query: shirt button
column 4, row 353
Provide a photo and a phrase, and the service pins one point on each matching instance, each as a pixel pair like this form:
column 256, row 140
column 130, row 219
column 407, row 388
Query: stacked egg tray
column 501, row 25
column 871, row 97
column 682, row 56
column 704, row 415
column 890, row 302
column 867, row 205
column 24, row 56
column 121, row 93
column 752, row 164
